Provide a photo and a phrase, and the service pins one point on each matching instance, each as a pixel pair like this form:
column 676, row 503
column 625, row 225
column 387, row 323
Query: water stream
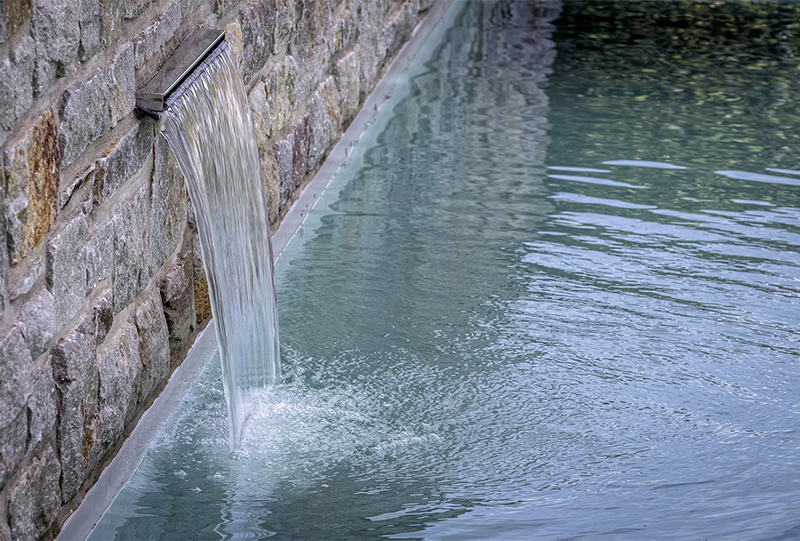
column 209, row 127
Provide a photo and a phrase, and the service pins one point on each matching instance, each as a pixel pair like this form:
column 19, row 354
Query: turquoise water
column 549, row 296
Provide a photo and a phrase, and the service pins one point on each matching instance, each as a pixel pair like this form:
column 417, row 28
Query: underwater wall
column 102, row 289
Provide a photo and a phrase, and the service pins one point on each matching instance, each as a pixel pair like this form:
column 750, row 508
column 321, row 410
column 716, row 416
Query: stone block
column 308, row 46
column 90, row 108
column 281, row 95
column 369, row 19
column 123, row 159
column 150, row 40
column 285, row 19
column 28, row 279
column 118, row 367
column 66, row 268
column 177, row 297
column 38, row 322
column 346, row 73
column 5, row 531
column 300, row 150
column 41, row 408
column 283, row 159
column 272, row 185
column 16, row 85
column 233, row 35
column 16, row 386
column 99, row 255
column 399, row 26
column 56, row 31
column 68, row 189
column 131, row 269
column 103, row 315
column 257, row 99
column 32, row 171
column 257, row 20
column 169, row 206
column 91, row 24
column 13, row 14
column 202, row 300
column 341, row 33
column 36, row 497
column 76, row 382
column 323, row 122
column 153, row 345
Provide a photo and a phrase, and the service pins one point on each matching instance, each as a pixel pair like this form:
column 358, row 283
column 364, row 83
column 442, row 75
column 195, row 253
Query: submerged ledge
column 114, row 477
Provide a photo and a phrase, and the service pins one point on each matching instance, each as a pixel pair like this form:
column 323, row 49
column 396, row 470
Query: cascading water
column 208, row 125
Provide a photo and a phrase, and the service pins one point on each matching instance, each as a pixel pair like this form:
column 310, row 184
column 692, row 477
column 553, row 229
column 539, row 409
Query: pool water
column 554, row 293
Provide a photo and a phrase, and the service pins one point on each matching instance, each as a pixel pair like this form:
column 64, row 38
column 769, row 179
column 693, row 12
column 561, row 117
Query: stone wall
column 101, row 285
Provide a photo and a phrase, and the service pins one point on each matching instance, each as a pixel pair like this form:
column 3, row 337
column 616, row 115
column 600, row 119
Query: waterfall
column 208, row 125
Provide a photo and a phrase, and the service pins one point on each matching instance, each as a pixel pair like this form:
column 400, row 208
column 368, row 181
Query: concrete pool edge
column 118, row 472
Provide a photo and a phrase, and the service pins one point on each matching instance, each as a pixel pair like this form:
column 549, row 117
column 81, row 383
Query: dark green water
column 491, row 332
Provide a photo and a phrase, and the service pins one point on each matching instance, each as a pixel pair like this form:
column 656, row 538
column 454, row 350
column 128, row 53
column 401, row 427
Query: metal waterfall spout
column 207, row 122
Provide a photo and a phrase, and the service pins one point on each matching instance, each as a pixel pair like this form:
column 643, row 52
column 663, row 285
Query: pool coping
column 116, row 475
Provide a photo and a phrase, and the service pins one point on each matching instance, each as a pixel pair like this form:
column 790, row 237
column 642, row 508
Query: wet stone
column 34, row 501
column 177, row 297
column 202, row 301
column 271, row 183
column 154, row 354
column 38, row 323
column 66, row 268
column 169, row 206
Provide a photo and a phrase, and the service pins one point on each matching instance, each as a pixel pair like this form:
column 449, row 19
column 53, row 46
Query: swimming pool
column 552, row 294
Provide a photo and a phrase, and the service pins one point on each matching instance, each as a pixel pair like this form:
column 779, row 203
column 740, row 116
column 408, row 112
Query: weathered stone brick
column 66, row 268
column 118, row 366
column 120, row 161
column 346, row 74
column 90, row 108
column 28, row 279
column 38, row 323
column 400, row 25
column 153, row 345
column 76, row 381
column 262, row 124
column 16, row 386
column 103, row 315
column 5, row 531
column 35, row 499
column 169, row 205
column 131, row 269
column 341, row 33
column 68, row 189
column 233, row 35
column 41, row 408
column 323, row 122
column 91, row 25
column 13, row 14
column 272, row 184
column 56, row 31
column 369, row 18
column 148, row 42
column 308, row 46
column 283, row 159
column 281, row 95
column 300, row 150
column 257, row 20
column 202, row 301
column 177, row 297
column 99, row 255
column 16, row 85
column 32, row 170
column 285, row 18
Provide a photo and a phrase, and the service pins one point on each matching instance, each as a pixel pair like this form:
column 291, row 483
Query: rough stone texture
column 99, row 255
column 16, row 85
column 258, row 108
column 76, row 381
column 400, row 25
column 118, row 366
column 323, row 122
column 38, row 323
column 68, row 189
column 89, row 109
column 308, row 47
column 169, row 205
column 341, row 33
column 281, row 95
column 285, row 19
column 13, row 14
column 28, row 279
column 56, row 32
column 91, row 25
column 202, row 300
column 16, row 386
column 66, row 269
column 41, row 407
column 153, row 345
column 5, row 531
column 346, row 74
column 257, row 20
column 103, row 315
column 369, row 19
column 283, row 159
column 148, row 42
column 123, row 159
column 131, row 268
column 300, row 150
column 177, row 296
column 32, row 173
column 34, row 501
column 272, row 184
